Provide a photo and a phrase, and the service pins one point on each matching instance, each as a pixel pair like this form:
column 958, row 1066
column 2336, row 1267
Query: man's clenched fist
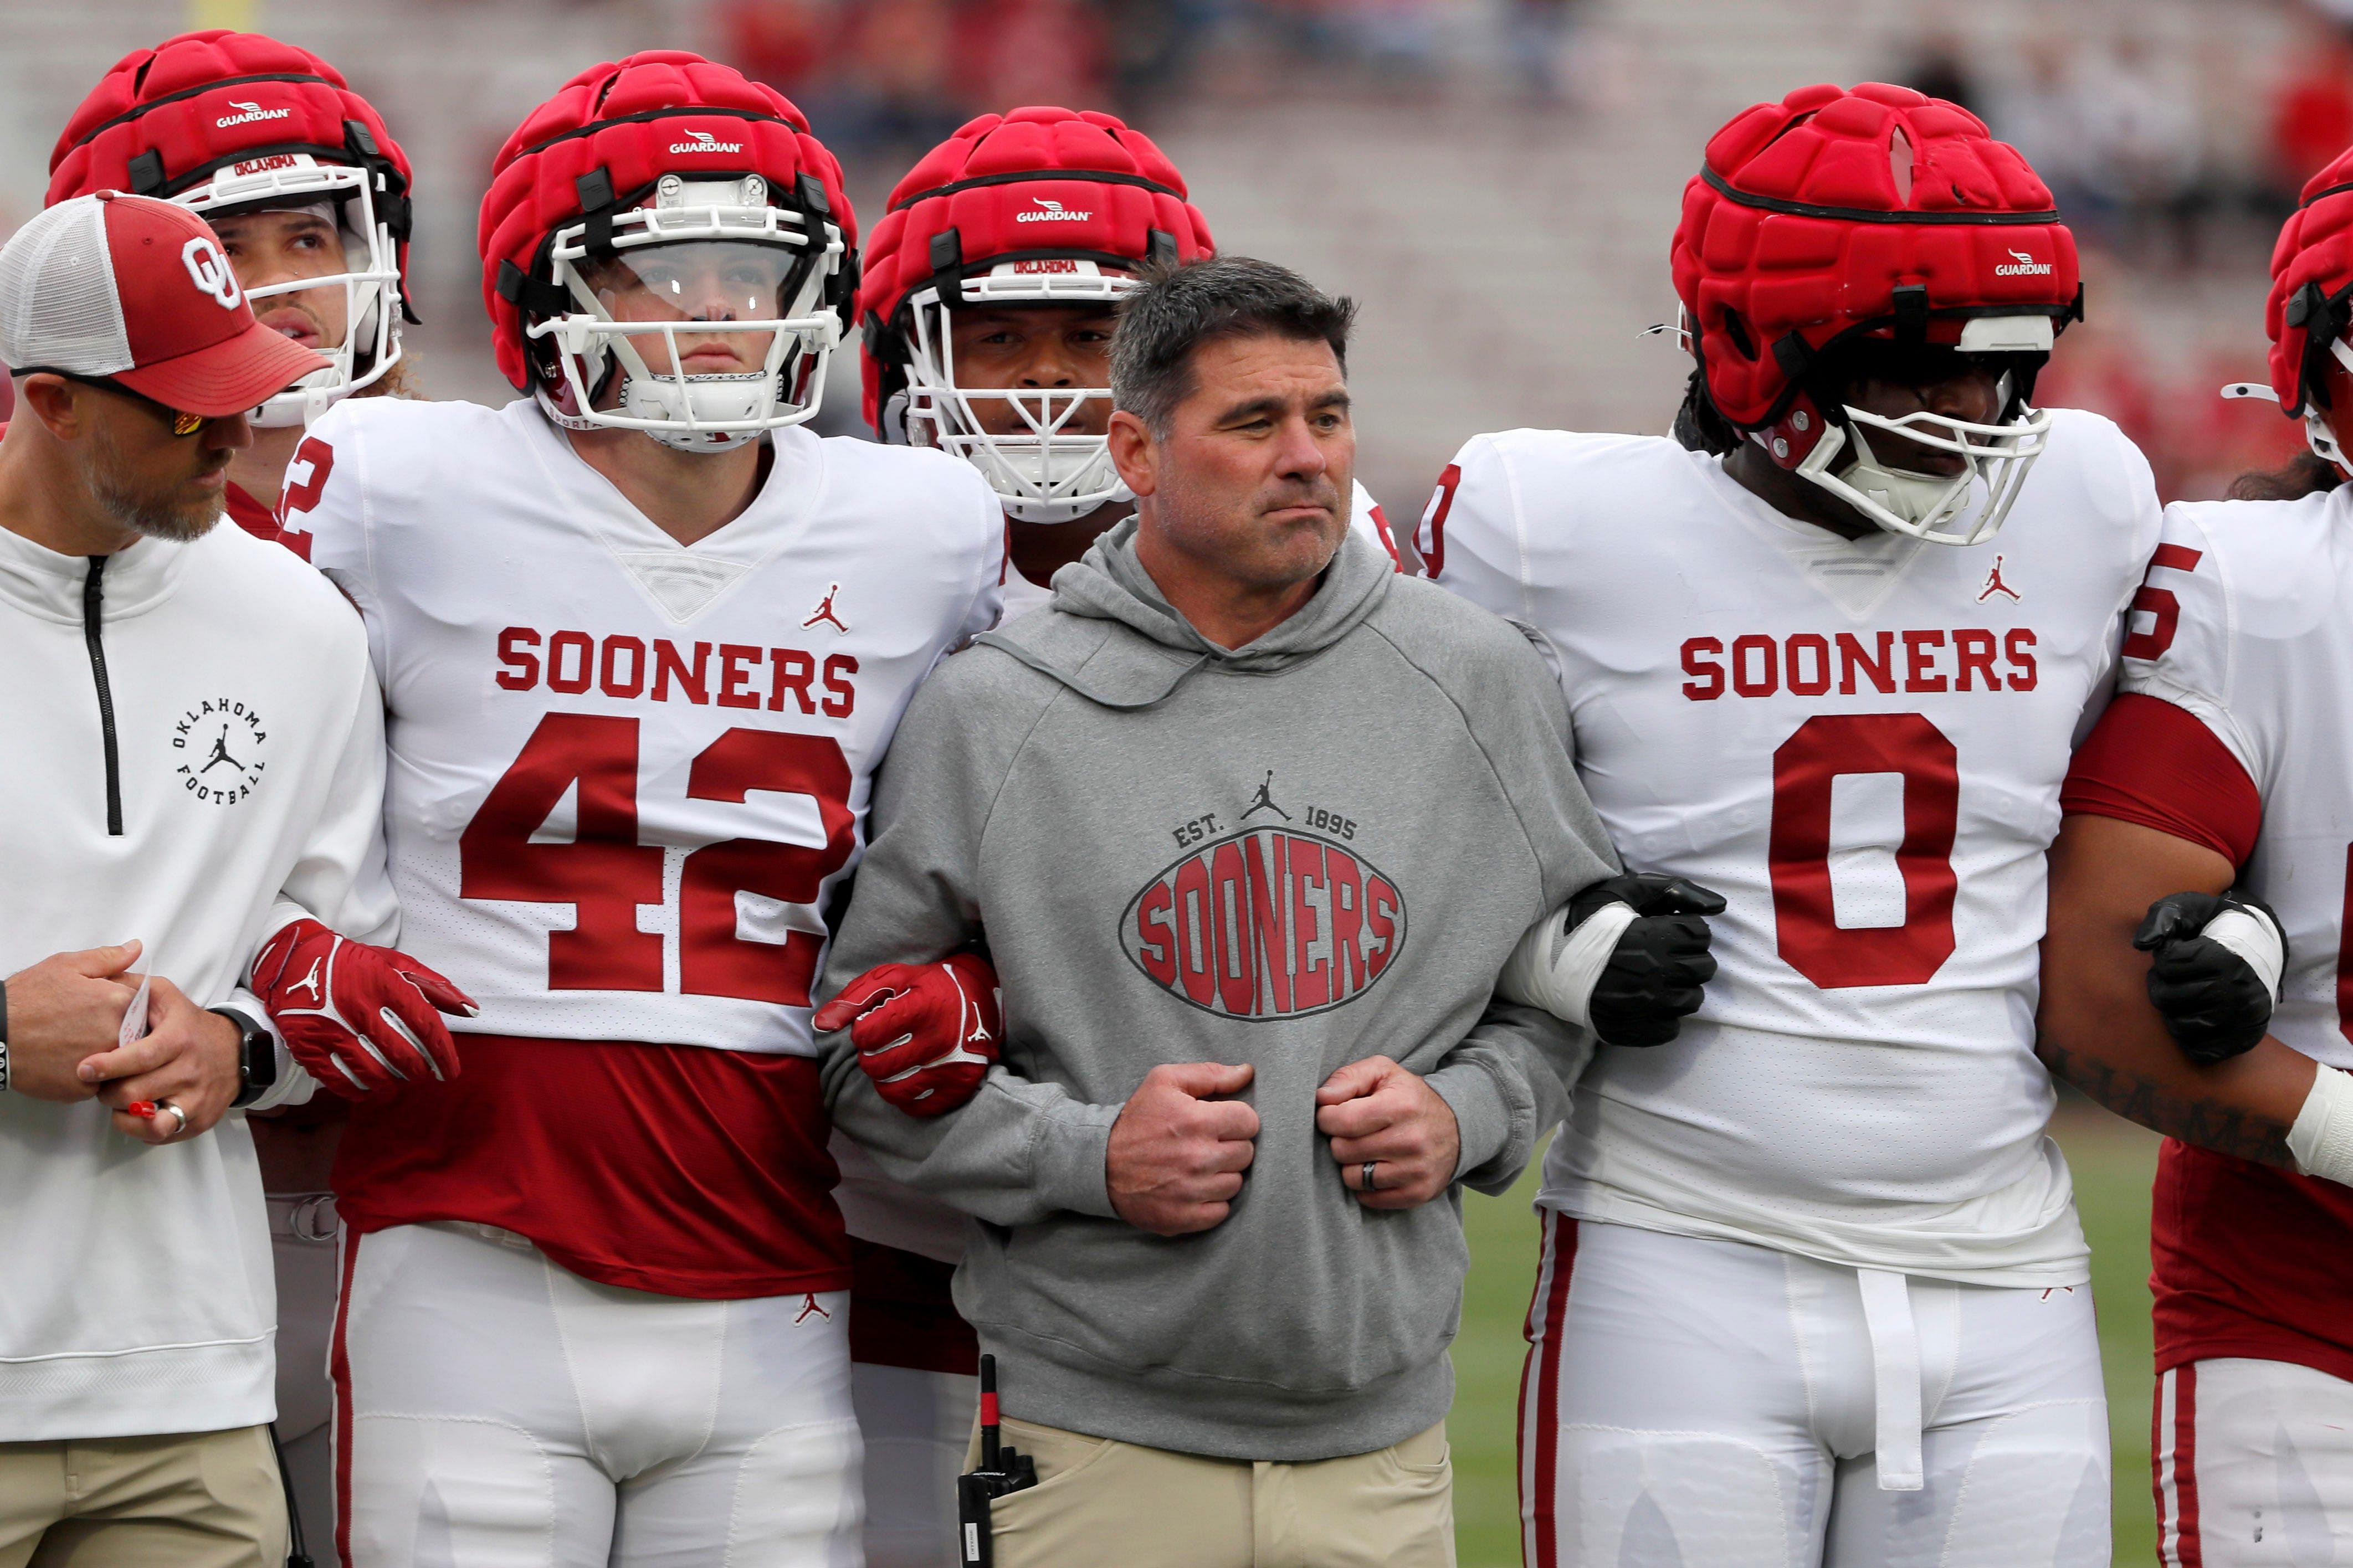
column 358, row 1018
column 2216, row 971
column 187, row 1059
column 1390, row 1129
column 1627, row 957
column 1174, row 1162
column 61, row 1012
column 926, row 1033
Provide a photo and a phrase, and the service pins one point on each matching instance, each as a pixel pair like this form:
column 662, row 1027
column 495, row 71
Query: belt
column 1895, row 1369
column 303, row 1216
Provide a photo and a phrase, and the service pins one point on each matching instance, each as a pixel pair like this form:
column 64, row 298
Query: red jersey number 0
column 604, row 873
column 1810, row 940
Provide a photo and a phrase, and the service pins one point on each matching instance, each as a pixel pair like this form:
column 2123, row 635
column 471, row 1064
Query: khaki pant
column 208, row 1499
column 1104, row 1504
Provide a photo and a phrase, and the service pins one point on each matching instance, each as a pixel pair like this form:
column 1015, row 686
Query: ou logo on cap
column 211, row 272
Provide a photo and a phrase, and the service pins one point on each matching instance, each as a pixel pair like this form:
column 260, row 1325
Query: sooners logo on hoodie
column 1268, row 924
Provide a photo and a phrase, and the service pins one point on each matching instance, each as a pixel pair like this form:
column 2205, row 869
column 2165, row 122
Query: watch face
column 257, row 1064
column 260, row 1064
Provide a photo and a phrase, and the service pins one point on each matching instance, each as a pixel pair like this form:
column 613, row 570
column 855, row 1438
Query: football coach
column 1248, row 824
column 195, row 760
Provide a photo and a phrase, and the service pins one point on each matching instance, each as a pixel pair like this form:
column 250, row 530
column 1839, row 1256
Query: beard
column 165, row 512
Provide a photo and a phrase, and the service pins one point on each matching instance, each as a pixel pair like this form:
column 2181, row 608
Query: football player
column 309, row 193
column 990, row 289
column 1812, row 1289
column 988, row 304
column 2219, row 784
column 643, row 639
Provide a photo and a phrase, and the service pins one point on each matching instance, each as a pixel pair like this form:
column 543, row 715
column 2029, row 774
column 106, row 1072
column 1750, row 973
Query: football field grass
column 2113, row 1161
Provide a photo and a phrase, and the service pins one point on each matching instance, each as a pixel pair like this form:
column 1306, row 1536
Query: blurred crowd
column 2169, row 164
column 888, row 75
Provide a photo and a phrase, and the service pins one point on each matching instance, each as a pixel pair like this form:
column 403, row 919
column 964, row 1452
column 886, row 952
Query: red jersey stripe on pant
column 2173, row 1451
column 1540, row 1388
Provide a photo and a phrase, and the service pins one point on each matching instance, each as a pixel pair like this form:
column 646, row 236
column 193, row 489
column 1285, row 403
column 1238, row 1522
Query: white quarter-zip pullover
column 195, row 757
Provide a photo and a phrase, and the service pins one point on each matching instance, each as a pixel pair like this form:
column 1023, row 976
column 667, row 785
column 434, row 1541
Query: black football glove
column 1654, row 978
column 2214, row 1004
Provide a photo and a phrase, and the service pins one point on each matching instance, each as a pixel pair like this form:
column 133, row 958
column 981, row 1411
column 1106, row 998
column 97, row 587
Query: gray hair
column 1179, row 309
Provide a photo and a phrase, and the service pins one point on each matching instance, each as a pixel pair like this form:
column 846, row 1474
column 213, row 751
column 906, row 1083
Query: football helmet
column 1836, row 218
column 1039, row 206
column 2310, row 310
column 665, row 221
column 224, row 122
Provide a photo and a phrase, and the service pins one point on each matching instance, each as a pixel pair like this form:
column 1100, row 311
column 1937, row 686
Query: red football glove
column 926, row 1033
column 358, row 1018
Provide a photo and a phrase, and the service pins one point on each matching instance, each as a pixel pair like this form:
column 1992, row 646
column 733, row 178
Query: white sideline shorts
column 497, row 1411
column 2253, row 1464
column 1693, row 1404
column 915, row 1424
column 303, row 1231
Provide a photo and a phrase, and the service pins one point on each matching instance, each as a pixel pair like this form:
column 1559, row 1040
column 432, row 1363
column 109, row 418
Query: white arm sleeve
column 2322, row 1137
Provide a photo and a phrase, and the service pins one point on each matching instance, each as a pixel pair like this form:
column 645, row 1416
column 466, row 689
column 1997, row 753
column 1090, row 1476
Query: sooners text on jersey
column 1859, row 745
column 626, row 777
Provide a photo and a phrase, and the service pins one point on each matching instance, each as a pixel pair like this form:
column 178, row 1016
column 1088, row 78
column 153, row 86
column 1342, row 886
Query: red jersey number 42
column 604, row 873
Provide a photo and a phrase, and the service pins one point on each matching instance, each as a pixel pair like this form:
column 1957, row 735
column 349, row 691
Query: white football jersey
column 2243, row 623
column 1859, row 745
column 627, row 775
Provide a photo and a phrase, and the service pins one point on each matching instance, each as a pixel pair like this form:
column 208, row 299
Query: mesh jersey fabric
column 1859, row 745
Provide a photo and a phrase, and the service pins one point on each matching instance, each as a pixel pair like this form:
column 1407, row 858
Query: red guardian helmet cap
column 2311, row 307
column 1835, row 216
column 1039, row 206
column 660, row 211
column 226, row 122
column 136, row 292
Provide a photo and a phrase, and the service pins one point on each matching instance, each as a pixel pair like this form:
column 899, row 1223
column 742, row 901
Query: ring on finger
column 179, row 1118
column 1367, row 1176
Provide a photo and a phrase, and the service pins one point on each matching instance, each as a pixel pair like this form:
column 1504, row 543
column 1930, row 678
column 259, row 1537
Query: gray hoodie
column 1316, row 848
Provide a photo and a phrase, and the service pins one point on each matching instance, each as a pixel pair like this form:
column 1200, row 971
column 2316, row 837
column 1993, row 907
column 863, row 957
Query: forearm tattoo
column 2223, row 1129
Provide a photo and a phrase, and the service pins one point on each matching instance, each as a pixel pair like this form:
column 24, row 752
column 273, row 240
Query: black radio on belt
column 1001, row 1470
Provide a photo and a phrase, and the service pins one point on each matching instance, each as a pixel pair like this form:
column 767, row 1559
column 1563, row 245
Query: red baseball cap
column 139, row 291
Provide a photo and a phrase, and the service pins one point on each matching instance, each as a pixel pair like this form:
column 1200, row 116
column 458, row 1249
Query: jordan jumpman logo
column 220, row 754
column 1264, row 800
column 824, row 611
column 1994, row 585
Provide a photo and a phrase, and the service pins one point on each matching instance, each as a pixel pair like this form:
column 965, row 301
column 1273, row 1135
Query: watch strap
column 257, row 1057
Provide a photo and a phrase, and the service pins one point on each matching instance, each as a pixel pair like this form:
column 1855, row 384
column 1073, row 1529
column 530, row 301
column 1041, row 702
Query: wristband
column 2251, row 935
column 3, row 1036
column 2322, row 1137
column 1561, row 982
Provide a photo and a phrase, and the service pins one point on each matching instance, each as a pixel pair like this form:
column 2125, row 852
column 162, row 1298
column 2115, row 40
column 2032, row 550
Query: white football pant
column 497, row 1411
column 1691, row 1404
column 915, row 1425
column 303, row 1234
column 2253, row 1464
